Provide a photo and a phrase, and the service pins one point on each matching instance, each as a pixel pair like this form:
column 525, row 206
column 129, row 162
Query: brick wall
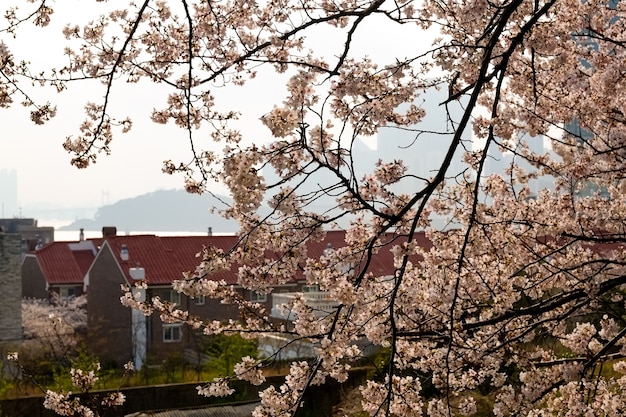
column 10, row 288
column 33, row 281
column 109, row 322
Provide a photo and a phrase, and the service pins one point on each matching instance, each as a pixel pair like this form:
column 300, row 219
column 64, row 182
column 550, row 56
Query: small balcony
column 321, row 303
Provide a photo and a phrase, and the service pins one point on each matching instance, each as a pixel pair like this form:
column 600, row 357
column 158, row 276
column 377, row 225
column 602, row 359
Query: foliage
column 225, row 351
column 511, row 264
column 7, row 382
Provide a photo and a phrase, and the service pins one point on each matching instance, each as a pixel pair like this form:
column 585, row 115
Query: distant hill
column 163, row 210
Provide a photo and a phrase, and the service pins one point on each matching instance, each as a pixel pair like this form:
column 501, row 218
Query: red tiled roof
column 166, row 258
column 65, row 263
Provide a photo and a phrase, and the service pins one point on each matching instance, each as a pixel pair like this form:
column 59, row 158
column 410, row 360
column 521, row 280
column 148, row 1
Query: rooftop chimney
column 124, row 253
column 108, row 231
column 210, row 231
column 81, row 236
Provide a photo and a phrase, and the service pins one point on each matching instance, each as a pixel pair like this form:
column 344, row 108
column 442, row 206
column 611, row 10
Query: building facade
column 10, row 288
column 118, row 334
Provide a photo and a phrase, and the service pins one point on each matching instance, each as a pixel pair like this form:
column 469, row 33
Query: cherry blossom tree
column 520, row 298
column 52, row 328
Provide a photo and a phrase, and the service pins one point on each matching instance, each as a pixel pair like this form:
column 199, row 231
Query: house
column 114, row 329
column 100, row 267
column 381, row 264
column 58, row 267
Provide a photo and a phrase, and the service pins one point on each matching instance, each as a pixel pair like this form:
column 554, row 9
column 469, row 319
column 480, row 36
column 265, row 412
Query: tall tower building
column 8, row 194
column 423, row 147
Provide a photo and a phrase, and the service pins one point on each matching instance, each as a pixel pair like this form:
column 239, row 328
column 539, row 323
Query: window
column 258, row 297
column 67, row 292
column 311, row 288
column 199, row 300
column 172, row 332
column 174, row 297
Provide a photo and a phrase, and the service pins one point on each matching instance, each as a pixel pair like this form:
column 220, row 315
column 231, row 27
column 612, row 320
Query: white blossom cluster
column 53, row 327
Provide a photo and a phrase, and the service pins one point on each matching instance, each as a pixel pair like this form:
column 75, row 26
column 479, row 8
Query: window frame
column 257, row 297
column 170, row 330
column 67, row 290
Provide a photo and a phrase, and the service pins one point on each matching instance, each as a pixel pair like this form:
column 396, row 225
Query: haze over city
column 45, row 177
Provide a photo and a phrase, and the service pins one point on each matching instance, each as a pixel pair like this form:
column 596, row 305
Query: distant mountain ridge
column 163, row 210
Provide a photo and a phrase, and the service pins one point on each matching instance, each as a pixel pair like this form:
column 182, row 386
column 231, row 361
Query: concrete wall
column 10, row 288
column 318, row 401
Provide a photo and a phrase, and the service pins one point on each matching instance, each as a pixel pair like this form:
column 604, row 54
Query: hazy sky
column 43, row 166
column 44, row 170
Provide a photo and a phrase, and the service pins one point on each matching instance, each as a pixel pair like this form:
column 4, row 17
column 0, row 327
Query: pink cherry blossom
column 506, row 259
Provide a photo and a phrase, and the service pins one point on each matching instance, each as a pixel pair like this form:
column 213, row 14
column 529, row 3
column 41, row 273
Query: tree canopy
column 520, row 297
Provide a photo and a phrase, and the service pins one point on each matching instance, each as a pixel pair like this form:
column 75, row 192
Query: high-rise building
column 424, row 146
column 8, row 194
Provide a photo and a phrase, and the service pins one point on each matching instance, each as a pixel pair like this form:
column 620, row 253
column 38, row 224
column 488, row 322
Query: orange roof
column 166, row 258
column 66, row 263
